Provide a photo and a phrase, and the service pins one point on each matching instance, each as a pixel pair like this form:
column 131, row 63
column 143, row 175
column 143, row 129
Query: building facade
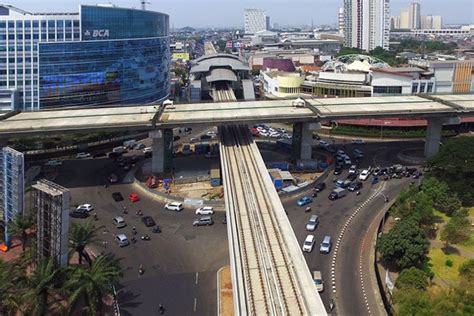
column 415, row 16
column 51, row 205
column 431, row 22
column 254, row 20
column 340, row 20
column 12, row 188
column 100, row 55
column 405, row 19
column 367, row 24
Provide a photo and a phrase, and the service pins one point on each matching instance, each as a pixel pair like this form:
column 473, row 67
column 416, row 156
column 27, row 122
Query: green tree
column 454, row 164
column 9, row 300
column 93, row 283
column 442, row 197
column 412, row 302
column 20, row 227
column 404, row 245
column 80, row 236
column 38, row 288
column 466, row 270
column 457, row 229
column 412, row 278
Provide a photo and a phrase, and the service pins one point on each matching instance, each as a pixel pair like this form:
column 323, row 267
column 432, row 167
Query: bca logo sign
column 97, row 33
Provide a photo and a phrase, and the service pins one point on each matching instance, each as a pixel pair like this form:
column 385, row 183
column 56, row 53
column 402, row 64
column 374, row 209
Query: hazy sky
column 201, row 13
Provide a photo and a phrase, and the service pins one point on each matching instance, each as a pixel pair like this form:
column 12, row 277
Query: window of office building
column 414, row 87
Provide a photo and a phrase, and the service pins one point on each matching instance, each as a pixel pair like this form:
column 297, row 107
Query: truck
column 337, row 194
column 318, row 281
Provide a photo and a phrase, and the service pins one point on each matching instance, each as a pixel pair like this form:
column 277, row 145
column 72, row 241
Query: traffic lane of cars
column 350, row 250
column 332, row 215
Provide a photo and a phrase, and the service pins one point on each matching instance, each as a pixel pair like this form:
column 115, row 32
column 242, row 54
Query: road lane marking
column 195, row 304
column 197, row 278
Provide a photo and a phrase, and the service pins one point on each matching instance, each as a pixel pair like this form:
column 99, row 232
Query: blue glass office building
column 101, row 55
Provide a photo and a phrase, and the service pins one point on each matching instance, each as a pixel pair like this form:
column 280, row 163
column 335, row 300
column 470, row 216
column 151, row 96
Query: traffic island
column 225, row 299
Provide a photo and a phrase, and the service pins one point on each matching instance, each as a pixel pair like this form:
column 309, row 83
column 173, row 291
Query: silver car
column 312, row 223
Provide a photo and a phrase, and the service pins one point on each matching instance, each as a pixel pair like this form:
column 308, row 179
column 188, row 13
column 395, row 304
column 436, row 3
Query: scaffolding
column 12, row 188
column 51, row 205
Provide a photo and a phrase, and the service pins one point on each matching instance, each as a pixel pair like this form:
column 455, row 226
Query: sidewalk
column 225, row 301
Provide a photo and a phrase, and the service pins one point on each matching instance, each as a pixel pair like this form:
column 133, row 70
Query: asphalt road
column 181, row 262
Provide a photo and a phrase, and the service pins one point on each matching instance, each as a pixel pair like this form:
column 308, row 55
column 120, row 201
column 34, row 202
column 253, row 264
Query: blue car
column 304, row 200
column 374, row 180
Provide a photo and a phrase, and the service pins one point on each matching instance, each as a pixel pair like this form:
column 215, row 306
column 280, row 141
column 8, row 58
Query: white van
column 174, row 206
column 129, row 143
column 308, row 243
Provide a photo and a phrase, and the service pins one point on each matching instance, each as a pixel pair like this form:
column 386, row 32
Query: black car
column 337, row 171
column 355, row 186
column 320, row 186
column 175, row 138
column 117, row 196
column 114, row 155
column 79, row 213
column 97, row 155
column 148, row 221
column 352, row 176
column 188, row 129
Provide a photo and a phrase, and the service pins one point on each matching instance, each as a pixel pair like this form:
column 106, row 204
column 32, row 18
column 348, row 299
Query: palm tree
column 93, row 283
column 20, row 226
column 79, row 237
column 9, row 300
column 39, row 286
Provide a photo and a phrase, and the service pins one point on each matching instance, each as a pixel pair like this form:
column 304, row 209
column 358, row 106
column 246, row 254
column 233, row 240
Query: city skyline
column 230, row 13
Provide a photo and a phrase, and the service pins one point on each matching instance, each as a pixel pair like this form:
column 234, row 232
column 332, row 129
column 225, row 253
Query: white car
column 308, row 243
column 264, row 134
column 54, row 163
column 364, row 175
column 206, row 210
column 322, row 143
column 83, row 155
column 353, row 169
column 358, row 141
column 86, row 207
column 147, row 150
column 275, row 135
column 174, row 206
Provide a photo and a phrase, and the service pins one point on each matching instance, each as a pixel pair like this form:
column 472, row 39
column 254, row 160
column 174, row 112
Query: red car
column 133, row 197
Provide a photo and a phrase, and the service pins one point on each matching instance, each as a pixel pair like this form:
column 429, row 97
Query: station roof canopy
column 221, row 74
column 207, row 62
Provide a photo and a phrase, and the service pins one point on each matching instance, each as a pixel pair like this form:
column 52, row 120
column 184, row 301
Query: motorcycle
column 332, row 304
column 358, row 193
column 145, row 237
column 141, row 270
column 307, row 209
column 139, row 213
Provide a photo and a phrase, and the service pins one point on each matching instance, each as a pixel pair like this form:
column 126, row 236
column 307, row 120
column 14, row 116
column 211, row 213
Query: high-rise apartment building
column 51, row 205
column 431, row 22
column 12, row 188
column 394, row 22
column 340, row 20
column 415, row 17
column 254, row 21
column 96, row 56
column 405, row 19
column 367, row 24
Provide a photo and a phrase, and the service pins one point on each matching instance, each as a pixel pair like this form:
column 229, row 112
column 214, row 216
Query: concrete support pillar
column 433, row 133
column 162, row 144
column 302, row 143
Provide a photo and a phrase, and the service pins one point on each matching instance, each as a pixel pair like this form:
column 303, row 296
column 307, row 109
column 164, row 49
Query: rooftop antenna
column 144, row 3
